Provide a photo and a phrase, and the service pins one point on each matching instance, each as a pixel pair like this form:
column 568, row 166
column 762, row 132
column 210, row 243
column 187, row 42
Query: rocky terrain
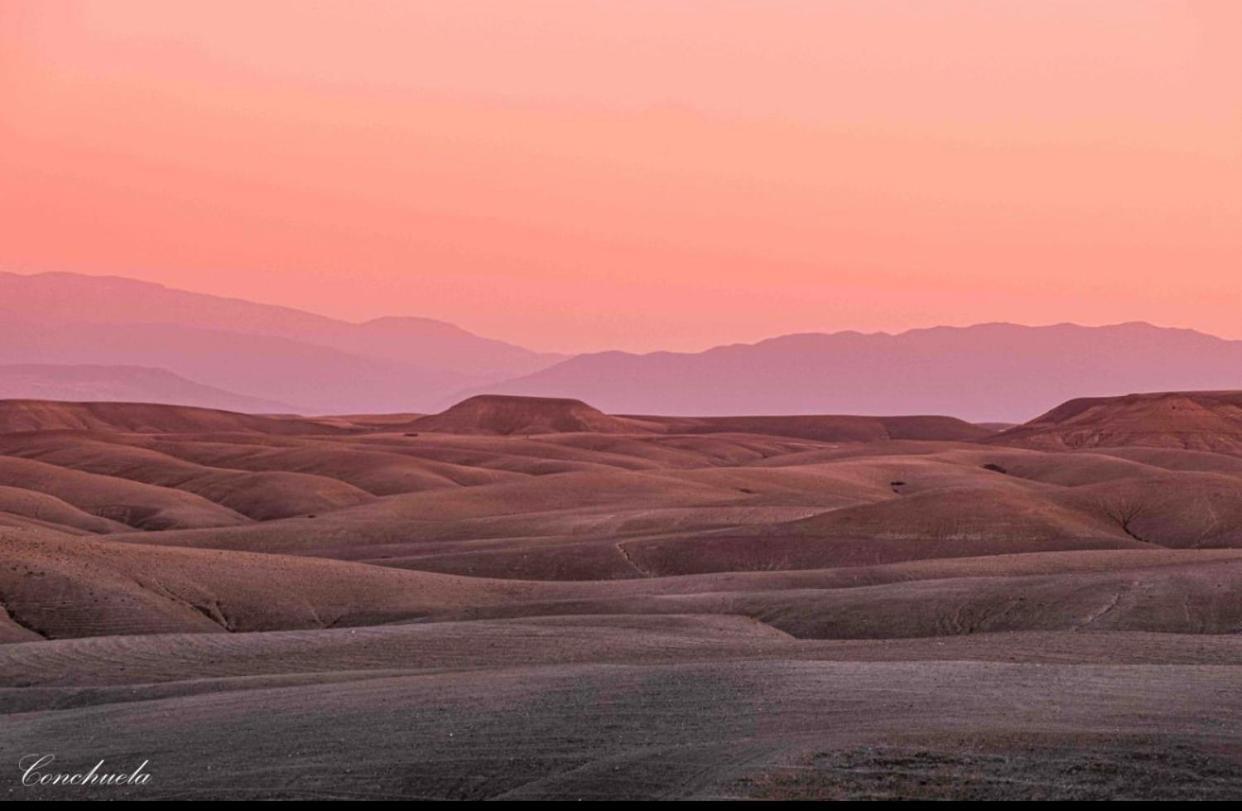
column 530, row 598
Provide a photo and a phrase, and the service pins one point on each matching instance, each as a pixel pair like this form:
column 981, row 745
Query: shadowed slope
column 60, row 586
column 831, row 428
column 138, row 505
column 50, row 510
column 665, row 505
column 260, row 495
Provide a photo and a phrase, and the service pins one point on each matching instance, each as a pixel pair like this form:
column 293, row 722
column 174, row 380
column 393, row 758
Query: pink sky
column 582, row 175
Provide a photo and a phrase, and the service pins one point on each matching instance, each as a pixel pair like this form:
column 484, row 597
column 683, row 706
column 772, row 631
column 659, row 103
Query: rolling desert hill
column 509, row 415
column 924, row 371
column 504, row 416
column 830, row 428
column 1196, row 420
column 478, row 491
column 144, row 418
column 531, row 598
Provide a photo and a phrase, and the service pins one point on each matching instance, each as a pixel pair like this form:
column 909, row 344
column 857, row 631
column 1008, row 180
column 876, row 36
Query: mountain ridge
column 268, row 352
column 990, row 372
column 995, row 372
column 104, row 383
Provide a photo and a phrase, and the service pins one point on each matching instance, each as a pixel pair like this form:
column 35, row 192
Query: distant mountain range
column 122, row 384
column 989, row 372
column 274, row 357
column 278, row 354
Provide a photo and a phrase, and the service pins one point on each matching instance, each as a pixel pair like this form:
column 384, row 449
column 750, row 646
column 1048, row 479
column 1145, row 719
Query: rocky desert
column 527, row 598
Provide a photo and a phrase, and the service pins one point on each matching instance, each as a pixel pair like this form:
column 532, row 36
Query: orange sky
column 582, row 175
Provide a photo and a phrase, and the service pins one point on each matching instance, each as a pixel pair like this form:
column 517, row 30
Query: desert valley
column 530, row 598
column 620, row 400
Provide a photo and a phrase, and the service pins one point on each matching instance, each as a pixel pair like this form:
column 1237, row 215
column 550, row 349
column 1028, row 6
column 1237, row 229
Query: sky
column 638, row 174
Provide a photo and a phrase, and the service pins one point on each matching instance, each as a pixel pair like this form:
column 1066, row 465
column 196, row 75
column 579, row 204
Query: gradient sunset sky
column 638, row 175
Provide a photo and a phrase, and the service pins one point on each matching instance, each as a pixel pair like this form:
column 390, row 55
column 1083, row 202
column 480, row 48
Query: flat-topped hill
column 503, row 415
column 1194, row 420
column 497, row 414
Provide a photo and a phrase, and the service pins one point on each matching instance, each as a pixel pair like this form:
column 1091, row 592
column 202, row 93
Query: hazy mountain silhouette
column 126, row 384
column 988, row 372
column 258, row 350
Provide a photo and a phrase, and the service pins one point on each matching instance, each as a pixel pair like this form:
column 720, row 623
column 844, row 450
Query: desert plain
column 527, row 598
